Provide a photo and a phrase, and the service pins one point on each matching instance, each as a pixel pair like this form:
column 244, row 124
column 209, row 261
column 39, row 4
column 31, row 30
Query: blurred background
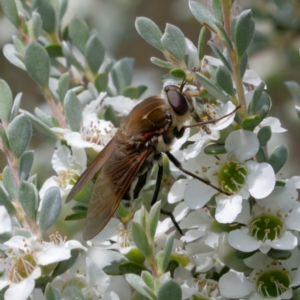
column 274, row 56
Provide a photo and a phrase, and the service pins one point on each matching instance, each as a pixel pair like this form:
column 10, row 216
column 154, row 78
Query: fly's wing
column 93, row 168
column 114, row 179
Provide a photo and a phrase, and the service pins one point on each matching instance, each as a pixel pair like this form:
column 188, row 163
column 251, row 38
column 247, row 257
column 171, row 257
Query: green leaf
column 279, row 254
column 35, row 25
column 216, row 7
column 264, row 135
column 279, row 157
column 148, row 279
column 220, row 55
column 294, row 89
column 173, row 41
column 6, row 101
column 42, row 127
column 15, row 107
column 76, row 216
column 28, row 198
column 215, row 149
column 79, row 33
column 122, row 73
column 140, row 239
column 25, row 164
column 128, row 267
column 62, row 8
column 54, row 50
column 9, row 182
column 47, row 13
column 244, row 64
column 153, row 220
column 138, row 284
column 280, row 183
column 50, row 208
column 256, row 98
column 168, row 250
column 19, row 45
column 73, row 111
column 10, row 10
column 51, row 293
column 10, row 53
column 94, row 53
column 44, row 117
column 223, row 35
column 203, row 15
column 101, row 82
column 177, row 73
column 251, row 122
column 5, row 201
column 19, row 133
column 72, row 60
column 169, row 290
column 72, row 289
column 37, row 63
column 211, row 87
column 65, row 265
column 261, row 155
column 262, row 106
column 223, row 78
column 134, row 92
column 201, row 41
column 63, row 86
column 244, row 31
column 4, row 137
column 149, row 31
column 42, row 281
column 161, row 63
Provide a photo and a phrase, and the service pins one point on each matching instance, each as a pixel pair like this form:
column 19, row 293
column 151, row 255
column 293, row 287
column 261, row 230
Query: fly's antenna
column 182, row 85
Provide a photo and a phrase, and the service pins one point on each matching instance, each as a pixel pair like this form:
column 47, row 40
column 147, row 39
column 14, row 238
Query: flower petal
column 20, row 291
column 5, row 220
column 227, row 108
column 228, row 207
column 274, row 123
column 241, row 240
column 197, row 194
column 286, row 242
column 177, row 190
column 261, row 181
column 235, row 285
column 242, row 144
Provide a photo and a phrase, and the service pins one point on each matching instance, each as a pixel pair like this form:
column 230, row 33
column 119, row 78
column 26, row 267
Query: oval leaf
column 10, row 10
column 215, row 149
column 279, row 157
column 47, row 13
column 9, row 182
column 169, row 290
column 140, row 239
column 19, row 133
column 50, row 208
column 51, row 293
column 25, row 164
column 264, row 135
column 94, row 53
column 73, row 111
column 6, row 101
column 28, row 198
column 79, row 33
column 37, row 63
column 63, row 86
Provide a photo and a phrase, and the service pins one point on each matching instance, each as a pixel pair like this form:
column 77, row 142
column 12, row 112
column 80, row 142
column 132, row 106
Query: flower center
column 232, row 176
column 273, row 283
column 208, row 288
column 125, row 237
column 266, row 227
column 22, row 268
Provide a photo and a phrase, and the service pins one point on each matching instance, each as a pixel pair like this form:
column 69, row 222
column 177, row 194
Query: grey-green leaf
column 73, row 111
column 223, row 78
column 169, row 290
column 101, row 82
column 6, row 101
column 51, row 293
column 10, row 52
column 153, row 220
column 217, row 51
column 278, row 157
column 215, row 149
column 149, row 31
column 294, row 89
column 168, row 250
column 36, row 25
column 47, row 13
column 264, row 135
column 94, row 53
column 72, row 60
column 9, row 182
column 173, row 41
column 62, row 8
column 244, row 31
column 37, row 63
column 79, row 33
column 25, row 164
column 203, row 15
column 138, row 284
column 16, row 106
column 4, row 137
column 28, row 198
column 5, row 201
column 50, row 208
column 216, row 7
column 140, row 239
column 211, row 88
column 63, row 86
column 251, row 122
column 19, row 133
column 122, row 73
column 10, row 10
column 161, row 63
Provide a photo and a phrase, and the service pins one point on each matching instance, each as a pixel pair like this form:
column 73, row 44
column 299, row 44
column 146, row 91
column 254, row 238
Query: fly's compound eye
column 178, row 102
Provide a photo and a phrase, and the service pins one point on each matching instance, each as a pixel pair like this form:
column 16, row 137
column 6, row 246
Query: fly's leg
column 177, row 163
column 156, row 192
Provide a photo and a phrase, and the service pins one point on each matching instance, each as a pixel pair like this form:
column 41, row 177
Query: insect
column 126, row 161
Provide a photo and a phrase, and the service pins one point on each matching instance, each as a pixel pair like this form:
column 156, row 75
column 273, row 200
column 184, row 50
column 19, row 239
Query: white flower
column 270, row 279
column 24, row 258
column 4, row 220
column 233, row 173
column 68, row 167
